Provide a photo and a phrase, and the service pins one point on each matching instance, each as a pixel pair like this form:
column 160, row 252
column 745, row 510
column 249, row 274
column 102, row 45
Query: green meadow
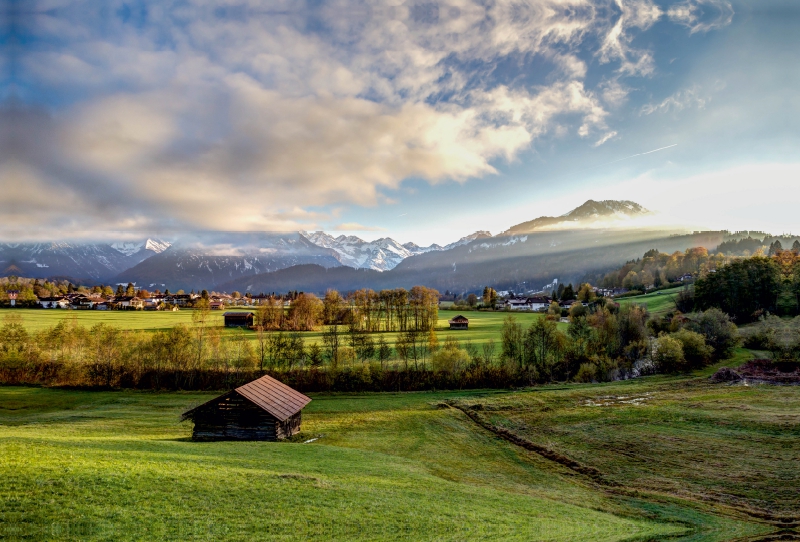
column 673, row 458
column 657, row 303
column 484, row 326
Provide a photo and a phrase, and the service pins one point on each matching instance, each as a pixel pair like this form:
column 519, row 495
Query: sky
column 423, row 121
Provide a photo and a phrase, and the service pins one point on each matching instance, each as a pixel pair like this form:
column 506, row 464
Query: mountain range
column 585, row 240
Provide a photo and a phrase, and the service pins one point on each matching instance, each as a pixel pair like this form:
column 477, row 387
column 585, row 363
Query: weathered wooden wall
column 235, row 418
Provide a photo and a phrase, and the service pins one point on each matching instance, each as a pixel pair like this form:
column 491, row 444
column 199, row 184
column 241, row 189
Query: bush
column 586, row 373
column 695, row 349
column 720, row 333
column 668, row 354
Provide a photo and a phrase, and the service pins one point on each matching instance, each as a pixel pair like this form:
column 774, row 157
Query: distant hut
column 459, row 322
column 238, row 319
column 264, row 409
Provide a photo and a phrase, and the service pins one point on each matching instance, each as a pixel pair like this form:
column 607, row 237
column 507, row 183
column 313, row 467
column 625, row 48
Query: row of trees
column 656, row 268
column 750, row 288
column 363, row 310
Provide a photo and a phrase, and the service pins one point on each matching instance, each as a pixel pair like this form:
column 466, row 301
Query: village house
column 536, row 303
column 59, row 302
column 179, row 300
column 83, row 302
column 128, row 302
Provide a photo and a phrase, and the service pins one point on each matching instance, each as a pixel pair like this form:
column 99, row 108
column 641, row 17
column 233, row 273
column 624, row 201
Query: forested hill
column 517, row 263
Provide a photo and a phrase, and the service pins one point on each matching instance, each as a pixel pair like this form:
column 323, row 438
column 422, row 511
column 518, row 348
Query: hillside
column 517, row 263
column 78, row 260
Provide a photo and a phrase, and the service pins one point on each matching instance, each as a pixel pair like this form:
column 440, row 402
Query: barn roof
column 274, row 396
column 458, row 319
column 269, row 394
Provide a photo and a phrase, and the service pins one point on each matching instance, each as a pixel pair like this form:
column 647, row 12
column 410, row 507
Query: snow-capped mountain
column 382, row 254
column 605, row 211
column 480, row 234
column 95, row 261
column 205, row 259
column 128, row 248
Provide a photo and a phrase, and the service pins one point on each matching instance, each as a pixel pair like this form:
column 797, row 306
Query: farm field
column 484, row 326
column 118, row 465
column 657, row 303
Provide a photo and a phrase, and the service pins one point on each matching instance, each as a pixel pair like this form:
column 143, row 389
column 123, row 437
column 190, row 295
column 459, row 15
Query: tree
column 314, row 355
column 668, row 354
column 236, row 295
column 331, row 339
column 568, row 294
column 305, row 312
column 720, row 333
column 577, row 310
column 511, row 341
column 554, row 311
column 450, row 358
column 489, row 297
column 130, row 291
column 105, row 351
column 332, row 305
column 695, row 350
column 120, row 290
column 585, row 293
column 472, row 300
column 796, row 246
column 744, row 289
column 384, row 351
column 543, row 348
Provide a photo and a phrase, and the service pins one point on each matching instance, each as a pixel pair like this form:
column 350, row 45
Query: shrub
column 586, row 373
column 695, row 349
column 720, row 333
column 668, row 354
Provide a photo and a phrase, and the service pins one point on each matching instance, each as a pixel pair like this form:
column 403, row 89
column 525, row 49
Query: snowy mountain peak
column 590, row 211
column 608, row 207
column 129, row 248
column 480, row 234
column 157, row 245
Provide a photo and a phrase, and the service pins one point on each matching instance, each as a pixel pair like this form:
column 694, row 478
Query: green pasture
column 484, row 326
column 115, row 466
column 689, row 461
column 657, row 303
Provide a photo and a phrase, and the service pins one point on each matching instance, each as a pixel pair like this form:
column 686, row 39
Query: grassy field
column 483, row 325
column 689, row 461
column 657, row 303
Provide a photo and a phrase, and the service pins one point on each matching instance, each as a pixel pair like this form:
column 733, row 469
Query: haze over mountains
column 585, row 240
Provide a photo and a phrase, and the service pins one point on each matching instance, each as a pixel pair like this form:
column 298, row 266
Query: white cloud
column 702, row 15
column 682, row 99
column 198, row 111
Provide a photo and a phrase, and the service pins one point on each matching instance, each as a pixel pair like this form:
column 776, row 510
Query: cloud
column 355, row 226
column 682, row 99
column 241, row 118
column 702, row 15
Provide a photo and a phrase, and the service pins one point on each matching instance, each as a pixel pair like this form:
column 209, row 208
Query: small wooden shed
column 264, row 409
column 238, row 319
column 459, row 322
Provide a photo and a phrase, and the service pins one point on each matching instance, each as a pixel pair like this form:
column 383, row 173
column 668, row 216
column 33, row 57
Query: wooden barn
column 264, row 409
column 238, row 319
column 459, row 322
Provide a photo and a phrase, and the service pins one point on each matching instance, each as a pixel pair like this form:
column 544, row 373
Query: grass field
column 483, row 325
column 691, row 461
column 657, row 303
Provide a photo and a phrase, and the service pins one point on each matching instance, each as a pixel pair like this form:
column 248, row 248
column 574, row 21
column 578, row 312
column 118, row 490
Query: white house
column 59, row 302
